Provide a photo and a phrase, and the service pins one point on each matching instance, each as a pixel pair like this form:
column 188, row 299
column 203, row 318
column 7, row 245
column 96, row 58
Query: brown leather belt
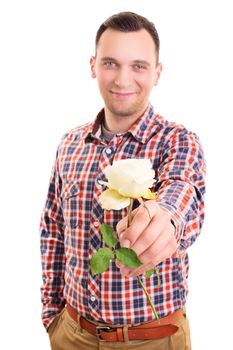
column 165, row 327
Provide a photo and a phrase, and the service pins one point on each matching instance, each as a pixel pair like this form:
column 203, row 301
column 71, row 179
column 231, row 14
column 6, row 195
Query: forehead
column 126, row 45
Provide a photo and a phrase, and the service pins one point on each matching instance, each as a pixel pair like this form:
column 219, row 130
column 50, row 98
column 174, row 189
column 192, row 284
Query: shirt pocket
column 70, row 199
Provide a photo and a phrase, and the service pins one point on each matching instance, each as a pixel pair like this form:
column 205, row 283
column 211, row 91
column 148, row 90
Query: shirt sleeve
column 181, row 185
column 52, row 250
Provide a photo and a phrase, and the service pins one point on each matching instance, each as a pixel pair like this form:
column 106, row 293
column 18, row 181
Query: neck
column 120, row 124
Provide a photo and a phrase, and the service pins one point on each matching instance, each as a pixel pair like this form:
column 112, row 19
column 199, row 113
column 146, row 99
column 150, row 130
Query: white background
column 46, row 89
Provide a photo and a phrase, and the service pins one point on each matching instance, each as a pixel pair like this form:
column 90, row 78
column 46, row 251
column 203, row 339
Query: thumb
column 122, row 225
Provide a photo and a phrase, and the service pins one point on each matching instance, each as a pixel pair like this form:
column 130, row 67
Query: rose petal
column 130, row 177
column 112, row 200
column 134, row 189
column 117, row 177
column 149, row 195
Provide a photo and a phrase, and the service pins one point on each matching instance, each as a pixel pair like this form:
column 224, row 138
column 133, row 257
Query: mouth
column 122, row 95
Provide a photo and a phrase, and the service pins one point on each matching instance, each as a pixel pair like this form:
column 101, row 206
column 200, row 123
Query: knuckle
column 144, row 259
column 165, row 214
column 154, row 262
column 172, row 247
column 172, row 241
column 147, row 239
column 118, row 226
column 121, row 226
column 126, row 237
column 149, row 256
column 140, row 216
column 154, row 256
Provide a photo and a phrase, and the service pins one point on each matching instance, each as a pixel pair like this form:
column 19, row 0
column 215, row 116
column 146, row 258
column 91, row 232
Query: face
column 126, row 70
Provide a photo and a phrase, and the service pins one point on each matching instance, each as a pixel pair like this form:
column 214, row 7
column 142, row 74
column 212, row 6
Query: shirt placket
column 97, row 218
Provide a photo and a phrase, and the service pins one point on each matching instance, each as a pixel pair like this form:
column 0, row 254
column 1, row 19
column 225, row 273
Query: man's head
column 129, row 22
column 126, row 64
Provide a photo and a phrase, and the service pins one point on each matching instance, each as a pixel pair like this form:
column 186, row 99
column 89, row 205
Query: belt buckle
column 99, row 329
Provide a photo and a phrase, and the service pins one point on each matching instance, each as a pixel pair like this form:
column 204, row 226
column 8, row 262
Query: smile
column 122, row 95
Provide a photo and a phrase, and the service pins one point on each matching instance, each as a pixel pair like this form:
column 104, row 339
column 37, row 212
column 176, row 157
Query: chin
column 123, row 112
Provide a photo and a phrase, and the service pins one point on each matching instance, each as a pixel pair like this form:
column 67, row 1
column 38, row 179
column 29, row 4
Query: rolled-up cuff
column 178, row 222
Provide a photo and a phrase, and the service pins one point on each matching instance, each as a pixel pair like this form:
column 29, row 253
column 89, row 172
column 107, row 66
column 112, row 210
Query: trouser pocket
column 54, row 325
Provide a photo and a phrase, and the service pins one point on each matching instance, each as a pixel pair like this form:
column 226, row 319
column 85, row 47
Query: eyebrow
column 103, row 59
column 108, row 58
column 146, row 63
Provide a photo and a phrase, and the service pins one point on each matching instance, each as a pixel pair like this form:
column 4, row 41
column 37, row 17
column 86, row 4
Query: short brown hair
column 129, row 22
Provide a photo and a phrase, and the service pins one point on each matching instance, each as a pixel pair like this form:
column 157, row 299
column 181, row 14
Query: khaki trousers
column 66, row 334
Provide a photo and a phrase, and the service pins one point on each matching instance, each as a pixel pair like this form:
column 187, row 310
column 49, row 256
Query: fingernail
column 126, row 243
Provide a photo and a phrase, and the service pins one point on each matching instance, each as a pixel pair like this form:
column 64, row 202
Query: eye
column 139, row 67
column 109, row 64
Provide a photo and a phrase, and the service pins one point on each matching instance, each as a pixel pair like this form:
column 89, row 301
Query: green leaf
column 149, row 273
column 100, row 260
column 128, row 257
column 109, row 236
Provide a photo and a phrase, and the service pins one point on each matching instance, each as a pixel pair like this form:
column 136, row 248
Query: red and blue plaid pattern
column 71, row 219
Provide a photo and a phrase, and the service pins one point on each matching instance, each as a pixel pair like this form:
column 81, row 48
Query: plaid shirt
column 71, row 219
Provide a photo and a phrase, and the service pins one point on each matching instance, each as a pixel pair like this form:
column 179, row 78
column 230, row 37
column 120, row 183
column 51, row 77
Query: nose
column 123, row 78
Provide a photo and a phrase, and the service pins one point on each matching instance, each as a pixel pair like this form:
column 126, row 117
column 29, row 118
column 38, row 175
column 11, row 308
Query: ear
column 92, row 64
column 158, row 72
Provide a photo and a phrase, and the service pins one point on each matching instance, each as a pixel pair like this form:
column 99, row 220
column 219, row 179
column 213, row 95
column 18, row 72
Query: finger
column 123, row 223
column 118, row 264
column 150, row 207
column 122, row 226
column 151, row 234
column 165, row 242
column 142, row 270
column 166, row 253
column 126, row 271
column 139, row 223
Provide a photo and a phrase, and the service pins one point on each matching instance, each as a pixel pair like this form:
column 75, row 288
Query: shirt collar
column 145, row 126
column 141, row 130
column 92, row 130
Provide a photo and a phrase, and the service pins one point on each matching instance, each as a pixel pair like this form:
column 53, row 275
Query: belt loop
column 125, row 333
column 79, row 328
column 120, row 334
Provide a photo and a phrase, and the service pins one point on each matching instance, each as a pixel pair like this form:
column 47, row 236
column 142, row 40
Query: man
column 110, row 310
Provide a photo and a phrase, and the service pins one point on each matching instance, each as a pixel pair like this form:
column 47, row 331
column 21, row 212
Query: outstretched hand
column 151, row 235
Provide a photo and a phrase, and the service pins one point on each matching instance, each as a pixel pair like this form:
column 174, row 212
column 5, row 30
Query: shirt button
column 108, row 150
column 92, row 298
column 96, row 223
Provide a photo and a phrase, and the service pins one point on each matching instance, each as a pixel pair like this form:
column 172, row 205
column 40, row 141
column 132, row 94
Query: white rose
column 127, row 178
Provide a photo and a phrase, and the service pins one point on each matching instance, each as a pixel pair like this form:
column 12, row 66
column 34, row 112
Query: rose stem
column 130, row 207
column 148, row 298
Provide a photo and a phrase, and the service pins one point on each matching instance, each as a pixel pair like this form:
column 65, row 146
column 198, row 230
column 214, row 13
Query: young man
column 110, row 310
